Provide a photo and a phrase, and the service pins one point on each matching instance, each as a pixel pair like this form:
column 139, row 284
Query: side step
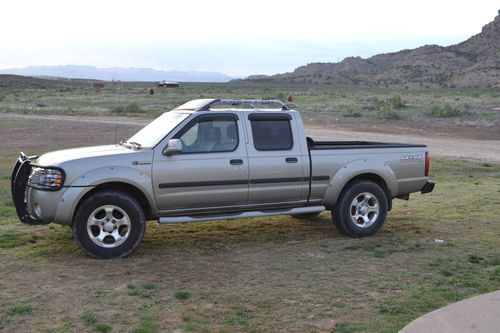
column 241, row 215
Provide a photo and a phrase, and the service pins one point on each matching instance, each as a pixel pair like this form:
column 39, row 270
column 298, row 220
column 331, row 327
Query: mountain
column 117, row 73
column 472, row 63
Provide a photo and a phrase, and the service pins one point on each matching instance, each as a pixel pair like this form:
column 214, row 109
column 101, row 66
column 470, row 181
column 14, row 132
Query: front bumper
column 19, row 189
column 428, row 187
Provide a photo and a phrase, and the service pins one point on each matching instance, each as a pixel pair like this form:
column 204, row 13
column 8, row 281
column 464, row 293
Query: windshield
column 152, row 133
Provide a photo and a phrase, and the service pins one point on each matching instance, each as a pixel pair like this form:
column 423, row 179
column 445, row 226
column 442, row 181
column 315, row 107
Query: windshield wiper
column 135, row 144
column 131, row 144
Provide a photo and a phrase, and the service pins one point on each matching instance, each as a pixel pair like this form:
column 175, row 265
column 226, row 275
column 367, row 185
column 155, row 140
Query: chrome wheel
column 364, row 209
column 108, row 226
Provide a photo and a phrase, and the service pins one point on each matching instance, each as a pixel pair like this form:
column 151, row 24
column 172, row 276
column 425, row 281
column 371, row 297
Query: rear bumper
column 428, row 187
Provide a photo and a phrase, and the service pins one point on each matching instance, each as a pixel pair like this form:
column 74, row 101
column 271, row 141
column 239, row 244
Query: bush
column 447, row 110
column 129, row 108
column 352, row 111
column 396, row 102
column 386, row 111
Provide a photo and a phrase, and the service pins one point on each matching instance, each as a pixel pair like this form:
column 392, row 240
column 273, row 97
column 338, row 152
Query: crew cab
column 215, row 159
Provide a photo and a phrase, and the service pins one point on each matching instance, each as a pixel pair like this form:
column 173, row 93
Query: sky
column 238, row 38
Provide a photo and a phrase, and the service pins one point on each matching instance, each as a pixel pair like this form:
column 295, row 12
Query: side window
column 272, row 133
column 210, row 135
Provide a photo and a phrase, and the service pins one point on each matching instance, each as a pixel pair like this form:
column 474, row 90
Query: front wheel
column 361, row 209
column 109, row 224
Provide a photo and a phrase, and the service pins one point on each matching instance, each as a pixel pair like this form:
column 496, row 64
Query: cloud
column 238, row 38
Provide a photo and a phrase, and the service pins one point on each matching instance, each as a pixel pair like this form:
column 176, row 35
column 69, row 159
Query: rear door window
column 271, row 131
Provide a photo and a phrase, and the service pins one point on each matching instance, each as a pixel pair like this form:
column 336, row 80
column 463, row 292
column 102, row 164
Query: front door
column 211, row 170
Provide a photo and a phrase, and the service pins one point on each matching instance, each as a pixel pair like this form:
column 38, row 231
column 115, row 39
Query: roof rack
column 206, row 104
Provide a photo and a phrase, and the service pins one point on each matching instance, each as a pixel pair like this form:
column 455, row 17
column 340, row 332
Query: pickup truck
column 215, row 159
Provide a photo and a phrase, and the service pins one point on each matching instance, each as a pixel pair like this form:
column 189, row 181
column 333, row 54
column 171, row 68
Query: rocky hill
column 472, row 63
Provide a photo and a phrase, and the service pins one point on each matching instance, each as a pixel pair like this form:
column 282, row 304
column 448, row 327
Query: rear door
column 211, row 170
column 276, row 162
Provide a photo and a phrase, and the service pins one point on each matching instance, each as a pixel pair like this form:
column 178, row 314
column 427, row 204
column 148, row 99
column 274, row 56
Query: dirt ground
column 277, row 274
column 441, row 143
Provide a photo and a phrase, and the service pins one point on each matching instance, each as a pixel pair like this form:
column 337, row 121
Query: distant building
column 97, row 85
column 165, row 84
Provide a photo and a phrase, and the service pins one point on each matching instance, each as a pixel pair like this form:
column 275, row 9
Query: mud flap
column 20, row 174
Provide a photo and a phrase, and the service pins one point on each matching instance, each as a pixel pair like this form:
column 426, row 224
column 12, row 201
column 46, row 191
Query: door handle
column 291, row 160
column 236, row 162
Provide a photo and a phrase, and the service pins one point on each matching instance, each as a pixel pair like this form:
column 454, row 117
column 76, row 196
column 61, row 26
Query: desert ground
column 279, row 274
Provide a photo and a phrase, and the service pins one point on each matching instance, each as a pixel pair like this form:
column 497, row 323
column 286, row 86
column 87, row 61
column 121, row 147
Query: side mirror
column 173, row 147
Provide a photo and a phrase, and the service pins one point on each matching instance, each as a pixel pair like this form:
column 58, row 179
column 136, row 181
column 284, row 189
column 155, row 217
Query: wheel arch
column 373, row 178
column 128, row 188
column 379, row 173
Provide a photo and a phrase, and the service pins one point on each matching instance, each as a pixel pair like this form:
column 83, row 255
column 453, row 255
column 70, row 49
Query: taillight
column 427, row 163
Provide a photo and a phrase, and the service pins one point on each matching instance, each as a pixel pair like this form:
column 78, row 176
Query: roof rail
column 206, row 104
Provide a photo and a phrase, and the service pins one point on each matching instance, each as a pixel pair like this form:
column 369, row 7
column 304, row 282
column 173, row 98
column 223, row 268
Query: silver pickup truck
column 214, row 159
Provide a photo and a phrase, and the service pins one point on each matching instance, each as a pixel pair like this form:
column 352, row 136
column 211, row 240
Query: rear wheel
column 361, row 209
column 109, row 224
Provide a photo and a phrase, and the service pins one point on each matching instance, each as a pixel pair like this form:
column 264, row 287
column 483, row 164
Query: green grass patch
column 19, row 310
column 134, row 292
column 147, row 325
column 89, row 319
column 475, row 259
column 102, row 328
column 344, row 327
column 149, row 285
column 183, row 295
column 10, row 240
column 128, row 108
column 240, row 317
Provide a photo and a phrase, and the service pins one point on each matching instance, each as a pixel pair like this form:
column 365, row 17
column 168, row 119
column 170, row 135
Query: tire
column 109, row 224
column 361, row 209
column 307, row 216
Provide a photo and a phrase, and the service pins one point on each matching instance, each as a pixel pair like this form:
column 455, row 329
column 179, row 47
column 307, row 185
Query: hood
column 56, row 158
column 79, row 161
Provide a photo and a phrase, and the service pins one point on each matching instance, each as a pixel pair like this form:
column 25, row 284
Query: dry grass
column 277, row 274
column 357, row 107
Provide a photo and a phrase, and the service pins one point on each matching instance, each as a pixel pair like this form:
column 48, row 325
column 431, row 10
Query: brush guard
column 19, row 182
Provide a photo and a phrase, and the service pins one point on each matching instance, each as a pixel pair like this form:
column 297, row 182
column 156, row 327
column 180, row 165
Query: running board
column 241, row 215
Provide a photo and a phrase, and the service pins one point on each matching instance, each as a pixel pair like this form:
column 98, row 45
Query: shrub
column 396, row 102
column 352, row 111
column 447, row 110
column 386, row 111
column 129, row 108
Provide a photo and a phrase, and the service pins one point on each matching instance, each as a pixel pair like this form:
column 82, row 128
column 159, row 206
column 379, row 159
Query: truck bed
column 321, row 145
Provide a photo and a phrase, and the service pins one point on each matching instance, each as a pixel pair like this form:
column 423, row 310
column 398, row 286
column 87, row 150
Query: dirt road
column 455, row 148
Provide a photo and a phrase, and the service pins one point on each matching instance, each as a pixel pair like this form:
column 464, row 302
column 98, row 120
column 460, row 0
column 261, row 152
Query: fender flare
column 354, row 169
column 95, row 177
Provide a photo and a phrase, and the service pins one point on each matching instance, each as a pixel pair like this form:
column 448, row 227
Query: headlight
column 46, row 178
